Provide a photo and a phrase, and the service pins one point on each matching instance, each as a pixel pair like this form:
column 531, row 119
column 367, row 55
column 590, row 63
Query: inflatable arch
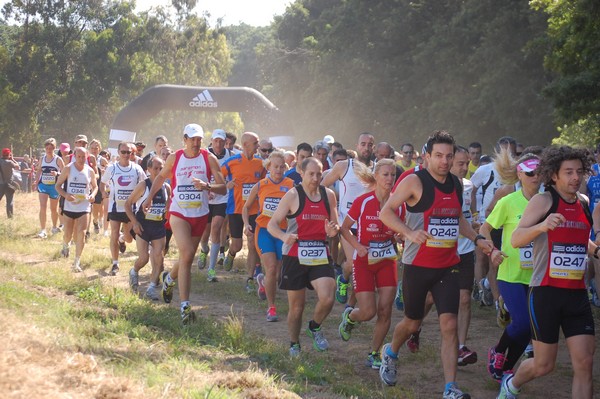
column 253, row 104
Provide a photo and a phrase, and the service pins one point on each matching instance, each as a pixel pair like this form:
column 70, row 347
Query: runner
column 190, row 170
column 268, row 192
column 558, row 223
column 514, row 264
column 475, row 151
column 121, row 177
column 242, row 172
column 47, row 171
column 149, row 227
column 374, row 261
column 79, row 195
column 311, row 213
column 160, row 142
column 217, row 205
column 434, row 220
column 303, row 151
column 349, row 189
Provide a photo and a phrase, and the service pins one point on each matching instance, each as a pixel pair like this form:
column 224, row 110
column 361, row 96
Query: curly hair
column 554, row 156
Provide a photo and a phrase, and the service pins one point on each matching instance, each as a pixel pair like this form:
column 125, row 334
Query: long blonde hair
column 506, row 165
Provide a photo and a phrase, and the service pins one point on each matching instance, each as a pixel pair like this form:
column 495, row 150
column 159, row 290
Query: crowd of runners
column 368, row 227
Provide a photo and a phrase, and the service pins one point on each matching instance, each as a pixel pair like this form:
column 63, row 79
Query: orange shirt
column 269, row 195
column 246, row 172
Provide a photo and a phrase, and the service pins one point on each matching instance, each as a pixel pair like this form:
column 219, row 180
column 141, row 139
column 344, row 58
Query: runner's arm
column 60, row 181
column 94, row 184
column 246, row 208
column 530, row 226
column 405, row 191
column 283, row 209
column 351, row 238
column 215, row 169
column 158, row 182
column 137, row 193
column 335, row 174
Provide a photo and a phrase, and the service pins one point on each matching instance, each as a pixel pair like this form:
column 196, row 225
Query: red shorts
column 198, row 225
column 368, row 277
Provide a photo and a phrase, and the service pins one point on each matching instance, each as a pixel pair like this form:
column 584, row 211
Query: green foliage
column 582, row 133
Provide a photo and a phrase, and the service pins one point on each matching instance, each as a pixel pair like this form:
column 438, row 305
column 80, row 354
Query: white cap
column 328, row 139
column 218, row 134
column 193, row 130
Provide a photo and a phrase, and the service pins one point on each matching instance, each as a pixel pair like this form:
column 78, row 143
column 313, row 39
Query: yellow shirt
column 472, row 169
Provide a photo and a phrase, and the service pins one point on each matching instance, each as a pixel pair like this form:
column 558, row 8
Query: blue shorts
column 266, row 243
column 48, row 189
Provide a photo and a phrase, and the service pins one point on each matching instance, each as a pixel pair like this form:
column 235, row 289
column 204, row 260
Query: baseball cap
column 328, row 139
column 193, row 130
column 218, row 134
column 5, row 152
column 81, row 137
column 64, row 148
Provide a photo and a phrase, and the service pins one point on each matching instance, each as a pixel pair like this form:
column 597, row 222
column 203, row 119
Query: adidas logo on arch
column 203, row 100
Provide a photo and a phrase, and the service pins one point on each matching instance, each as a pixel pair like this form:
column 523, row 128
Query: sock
column 460, row 346
column 204, row 247
column 514, row 390
column 185, row 304
column 214, row 253
column 449, row 385
column 294, row 343
column 115, row 262
column 313, row 325
column 65, row 246
column 350, row 321
column 230, row 254
column 391, row 354
column 152, row 285
column 76, row 261
column 222, row 250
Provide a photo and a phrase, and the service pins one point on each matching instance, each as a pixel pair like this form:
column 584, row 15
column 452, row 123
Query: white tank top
column 187, row 200
column 122, row 180
column 47, row 168
column 350, row 188
column 79, row 186
column 215, row 199
column 464, row 244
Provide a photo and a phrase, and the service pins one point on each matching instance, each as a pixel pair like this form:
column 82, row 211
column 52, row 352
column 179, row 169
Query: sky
column 251, row 12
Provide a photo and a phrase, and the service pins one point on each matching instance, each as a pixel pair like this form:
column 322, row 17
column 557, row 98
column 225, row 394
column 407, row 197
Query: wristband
column 208, row 187
column 596, row 252
column 477, row 238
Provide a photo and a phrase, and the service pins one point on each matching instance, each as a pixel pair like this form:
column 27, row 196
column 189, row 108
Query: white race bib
column 189, row 197
column 567, row 261
column 444, row 231
column 312, row 253
column 379, row 251
column 246, row 188
column 526, row 256
column 155, row 213
column 269, row 206
column 48, row 178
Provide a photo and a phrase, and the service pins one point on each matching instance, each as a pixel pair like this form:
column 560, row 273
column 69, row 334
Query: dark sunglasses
column 269, row 150
column 530, row 174
column 125, row 152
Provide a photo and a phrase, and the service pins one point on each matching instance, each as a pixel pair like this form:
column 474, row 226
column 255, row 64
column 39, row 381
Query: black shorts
column 236, row 224
column 295, row 276
column 552, row 309
column 418, row 281
column 466, row 271
column 496, row 235
column 73, row 215
column 153, row 231
column 118, row 217
column 98, row 198
column 216, row 210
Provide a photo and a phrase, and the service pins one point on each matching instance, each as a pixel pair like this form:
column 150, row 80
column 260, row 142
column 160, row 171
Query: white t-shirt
column 487, row 179
column 122, row 180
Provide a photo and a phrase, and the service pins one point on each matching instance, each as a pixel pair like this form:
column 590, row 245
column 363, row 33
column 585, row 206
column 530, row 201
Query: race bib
column 121, row 196
column 567, row 261
column 155, row 213
column 379, row 251
column 48, row 178
column 78, row 190
column 444, row 231
column 269, row 206
column 526, row 256
column 189, row 197
column 246, row 188
column 312, row 253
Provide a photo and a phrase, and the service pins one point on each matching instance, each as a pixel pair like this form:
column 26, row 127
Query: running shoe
column 345, row 328
column 151, row 293
column 167, row 289
column 487, row 299
column 202, row 257
column 466, row 356
column 387, row 371
column 476, row 293
column 250, row 286
column 228, row 263
column 114, row 269
column 399, row 300
column 64, row 252
column 505, row 392
column 496, row 364
column 295, row 350
column 187, row 315
column 87, row 237
column 502, row 315
column 260, row 282
column 122, row 246
column 211, row 276
column 133, row 280
column 341, row 290
column 96, row 228
column 319, row 341
column 272, row 314
column 373, row 360
column 454, row 393
column 413, row 342
column 76, row 268
column 42, row 234
column 221, row 259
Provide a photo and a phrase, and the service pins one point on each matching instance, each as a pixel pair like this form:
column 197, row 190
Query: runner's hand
column 290, row 239
column 231, row 184
column 137, row 228
column 331, row 228
column 418, row 236
column 248, row 230
column 147, row 204
column 552, row 221
column 362, row 251
column 497, row 257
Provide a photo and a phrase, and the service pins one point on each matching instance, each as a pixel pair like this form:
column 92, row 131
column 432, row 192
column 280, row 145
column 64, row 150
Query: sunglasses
column 125, row 152
column 530, row 174
column 269, row 150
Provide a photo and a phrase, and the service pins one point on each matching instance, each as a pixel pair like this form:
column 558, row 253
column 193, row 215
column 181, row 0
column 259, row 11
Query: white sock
column 214, row 253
